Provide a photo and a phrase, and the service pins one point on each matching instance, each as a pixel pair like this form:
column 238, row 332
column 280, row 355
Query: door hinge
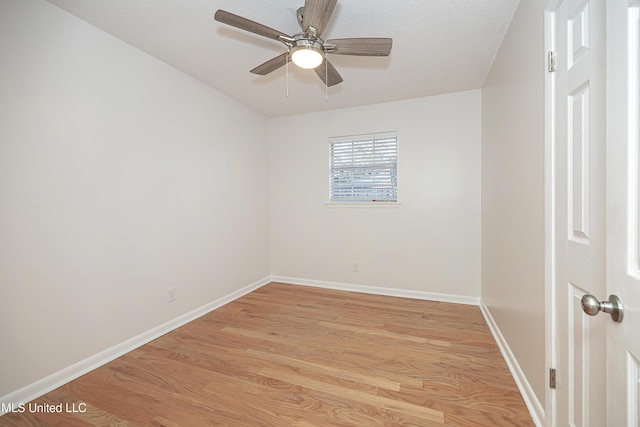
column 551, row 61
column 552, row 378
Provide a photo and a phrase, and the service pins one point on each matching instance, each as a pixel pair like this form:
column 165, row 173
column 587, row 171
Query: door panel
column 579, row 210
column 579, row 164
column 579, row 379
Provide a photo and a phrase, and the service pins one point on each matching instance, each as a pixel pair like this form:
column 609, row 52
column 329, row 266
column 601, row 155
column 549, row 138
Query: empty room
column 319, row 213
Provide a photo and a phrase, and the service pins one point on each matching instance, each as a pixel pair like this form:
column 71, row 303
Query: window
column 363, row 168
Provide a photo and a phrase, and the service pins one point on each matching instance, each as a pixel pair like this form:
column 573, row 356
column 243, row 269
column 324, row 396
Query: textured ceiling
column 439, row 46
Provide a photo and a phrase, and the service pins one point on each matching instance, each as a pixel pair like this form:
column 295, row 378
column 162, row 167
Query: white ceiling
column 439, row 46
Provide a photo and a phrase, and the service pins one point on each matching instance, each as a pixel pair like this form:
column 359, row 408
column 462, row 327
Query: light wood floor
column 288, row 355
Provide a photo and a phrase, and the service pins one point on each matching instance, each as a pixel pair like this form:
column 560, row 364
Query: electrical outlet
column 173, row 294
column 356, row 267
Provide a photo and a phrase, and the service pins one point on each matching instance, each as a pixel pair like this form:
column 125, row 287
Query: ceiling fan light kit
column 307, row 50
column 307, row 54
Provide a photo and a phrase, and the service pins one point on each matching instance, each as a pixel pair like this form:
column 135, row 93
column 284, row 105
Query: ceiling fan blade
column 317, row 14
column 247, row 24
column 328, row 71
column 370, row 46
column 272, row 64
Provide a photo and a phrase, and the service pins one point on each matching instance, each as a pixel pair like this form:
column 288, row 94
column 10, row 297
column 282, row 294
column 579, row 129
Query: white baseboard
column 57, row 379
column 533, row 404
column 366, row 289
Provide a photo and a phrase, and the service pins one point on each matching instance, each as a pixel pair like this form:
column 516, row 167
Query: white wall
column 513, row 191
column 119, row 177
column 431, row 243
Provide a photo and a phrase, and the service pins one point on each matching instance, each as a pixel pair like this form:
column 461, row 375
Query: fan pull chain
column 287, row 67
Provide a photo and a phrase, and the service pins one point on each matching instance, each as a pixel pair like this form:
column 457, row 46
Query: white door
column 578, row 204
column 594, row 186
column 623, row 214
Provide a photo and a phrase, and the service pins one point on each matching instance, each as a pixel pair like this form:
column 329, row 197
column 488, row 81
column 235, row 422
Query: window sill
column 363, row 204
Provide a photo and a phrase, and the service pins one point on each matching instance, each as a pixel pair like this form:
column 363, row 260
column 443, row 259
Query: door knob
column 613, row 306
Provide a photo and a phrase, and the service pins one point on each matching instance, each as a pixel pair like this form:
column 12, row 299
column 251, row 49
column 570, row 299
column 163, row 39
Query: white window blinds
column 363, row 168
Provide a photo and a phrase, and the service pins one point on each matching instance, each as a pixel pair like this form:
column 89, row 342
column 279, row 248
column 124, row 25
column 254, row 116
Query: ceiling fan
column 306, row 49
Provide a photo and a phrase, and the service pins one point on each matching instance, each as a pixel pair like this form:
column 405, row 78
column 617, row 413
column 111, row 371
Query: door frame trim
column 550, row 212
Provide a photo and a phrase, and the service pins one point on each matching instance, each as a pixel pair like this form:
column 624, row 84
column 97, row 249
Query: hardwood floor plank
column 286, row 355
column 350, row 394
column 22, row 420
column 88, row 414
column 324, row 370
